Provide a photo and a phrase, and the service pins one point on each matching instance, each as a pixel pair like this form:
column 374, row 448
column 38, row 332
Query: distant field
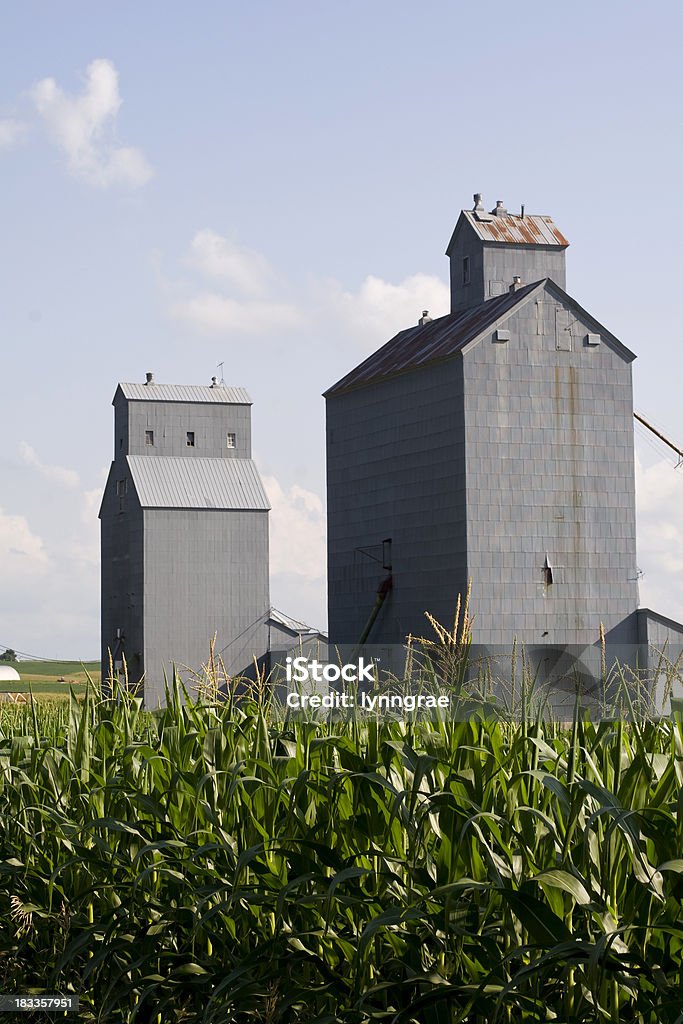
column 44, row 676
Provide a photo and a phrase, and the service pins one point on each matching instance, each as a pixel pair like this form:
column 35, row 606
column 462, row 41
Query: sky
column 271, row 187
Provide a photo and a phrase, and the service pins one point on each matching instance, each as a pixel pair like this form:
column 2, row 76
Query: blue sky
column 273, row 185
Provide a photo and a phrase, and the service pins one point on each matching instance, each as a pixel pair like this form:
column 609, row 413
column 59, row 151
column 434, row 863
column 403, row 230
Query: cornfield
column 201, row 863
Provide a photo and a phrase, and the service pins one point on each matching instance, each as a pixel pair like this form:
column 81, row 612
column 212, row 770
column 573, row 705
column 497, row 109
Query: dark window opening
column 149, row 437
column 121, row 488
column 547, row 573
column 386, row 553
column 466, row 270
column 190, row 439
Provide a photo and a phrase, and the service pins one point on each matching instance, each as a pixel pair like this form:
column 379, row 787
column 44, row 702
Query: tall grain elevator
column 184, row 534
column 493, row 445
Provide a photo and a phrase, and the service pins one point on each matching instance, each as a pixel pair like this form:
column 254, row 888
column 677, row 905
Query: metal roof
column 432, row 341
column 184, row 393
column 165, row 481
column 513, row 229
column 289, row 623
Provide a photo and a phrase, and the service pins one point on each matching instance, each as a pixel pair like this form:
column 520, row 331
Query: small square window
column 149, row 437
column 466, row 270
column 231, row 441
column 190, row 439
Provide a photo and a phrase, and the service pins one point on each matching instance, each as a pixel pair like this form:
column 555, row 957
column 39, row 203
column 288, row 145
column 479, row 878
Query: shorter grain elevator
column 184, row 535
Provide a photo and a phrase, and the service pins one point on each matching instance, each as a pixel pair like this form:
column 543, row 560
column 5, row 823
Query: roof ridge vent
column 425, row 318
column 149, row 378
column 499, row 210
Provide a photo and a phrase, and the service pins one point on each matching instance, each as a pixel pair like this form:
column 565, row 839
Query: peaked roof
column 443, row 338
column 435, row 340
column 293, row 625
column 167, row 481
column 531, row 229
column 510, row 229
column 183, row 393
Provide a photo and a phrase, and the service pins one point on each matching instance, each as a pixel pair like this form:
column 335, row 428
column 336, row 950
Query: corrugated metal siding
column 436, row 340
column 176, row 482
column 532, row 229
column 185, row 393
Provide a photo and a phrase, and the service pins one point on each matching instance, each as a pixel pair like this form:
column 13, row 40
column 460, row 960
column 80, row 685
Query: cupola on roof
column 491, row 251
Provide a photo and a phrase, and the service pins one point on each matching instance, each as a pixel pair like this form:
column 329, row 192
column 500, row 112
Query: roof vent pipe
column 425, row 318
column 149, row 378
column 478, row 204
column 516, row 283
column 500, row 210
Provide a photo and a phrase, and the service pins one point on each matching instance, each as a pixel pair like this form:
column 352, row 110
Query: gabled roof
column 662, row 619
column 531, row 229
column 511, row 229
column 430, row 342
column 443, row 338
column 293, row 625
column 183, row 393
column 165, row 481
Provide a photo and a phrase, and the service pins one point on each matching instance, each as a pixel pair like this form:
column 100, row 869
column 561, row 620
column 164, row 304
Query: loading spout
column 383, row 591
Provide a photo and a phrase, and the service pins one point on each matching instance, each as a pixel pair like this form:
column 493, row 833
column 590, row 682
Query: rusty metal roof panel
column 222, row 393
column 513, row 229
column 431, row 342
column 166, row 481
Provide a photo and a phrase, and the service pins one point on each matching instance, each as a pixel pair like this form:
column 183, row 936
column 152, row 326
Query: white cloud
column 369, row 316
column 83, row 127
column 12, row 132
column 659, row 491
column 220, row 314
column 49, row 598
column 84, row 547
column 297, row 531
column 58, row 474
column 216, row 256
column 379, row 309
column 21, row 551
column 242, row 271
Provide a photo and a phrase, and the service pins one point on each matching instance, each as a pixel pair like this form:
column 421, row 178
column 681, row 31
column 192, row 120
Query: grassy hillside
column 44, row 677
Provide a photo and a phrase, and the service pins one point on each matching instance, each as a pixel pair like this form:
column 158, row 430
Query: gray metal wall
column 531, row 263
column 205, row 572
column 662, row 633
column 170, row 421
column 480, row 467
column 494, row 265
column 662, row 655
column 395, row 468
column 122, row 579
column 467, row 244
column 550, row 471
